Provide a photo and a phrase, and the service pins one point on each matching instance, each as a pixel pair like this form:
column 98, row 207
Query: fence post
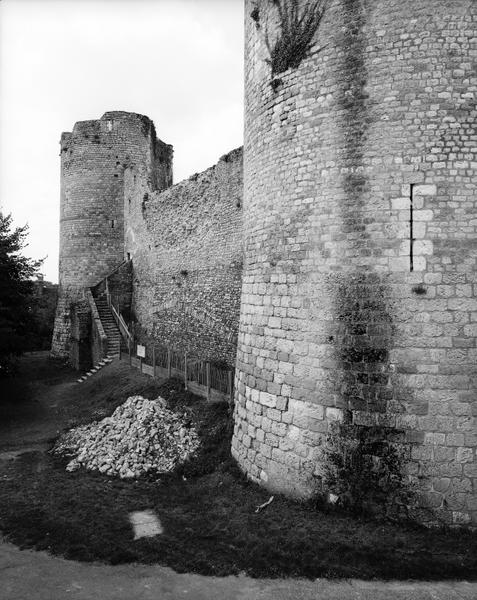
column 153, row 361
column 185, row 370
column 129, row 351
column 207, row 378
column 231, row 387
column 169, row 370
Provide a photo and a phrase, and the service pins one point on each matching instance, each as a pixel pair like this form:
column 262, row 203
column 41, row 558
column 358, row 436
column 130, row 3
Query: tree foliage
column 16, row 298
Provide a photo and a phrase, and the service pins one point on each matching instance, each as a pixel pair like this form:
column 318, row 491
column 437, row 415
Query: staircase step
column 110, row 329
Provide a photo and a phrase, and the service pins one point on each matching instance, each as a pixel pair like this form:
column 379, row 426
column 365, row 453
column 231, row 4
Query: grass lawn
column 207, row 508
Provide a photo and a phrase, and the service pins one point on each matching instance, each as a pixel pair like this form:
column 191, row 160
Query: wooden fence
column 200, row 377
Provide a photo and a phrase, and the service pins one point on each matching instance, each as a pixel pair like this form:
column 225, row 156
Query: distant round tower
column 93, row 159
column 360, row 216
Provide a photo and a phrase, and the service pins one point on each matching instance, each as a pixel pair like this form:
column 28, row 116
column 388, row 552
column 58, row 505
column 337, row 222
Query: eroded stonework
column 186, row 246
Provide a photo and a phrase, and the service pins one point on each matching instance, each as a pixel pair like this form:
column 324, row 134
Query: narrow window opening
column 110, row 125
column 411, row 228
column 113, row 223
column 129, row 256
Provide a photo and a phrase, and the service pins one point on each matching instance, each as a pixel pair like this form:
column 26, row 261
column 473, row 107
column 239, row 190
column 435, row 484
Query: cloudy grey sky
column 180, row 62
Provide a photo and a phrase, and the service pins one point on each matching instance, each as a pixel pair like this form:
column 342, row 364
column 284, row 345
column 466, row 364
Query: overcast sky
column 180, row 62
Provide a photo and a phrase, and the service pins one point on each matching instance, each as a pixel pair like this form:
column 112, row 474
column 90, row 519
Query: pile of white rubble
column 140, row 436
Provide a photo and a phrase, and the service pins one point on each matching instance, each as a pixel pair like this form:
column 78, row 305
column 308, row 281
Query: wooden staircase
column 109, row 325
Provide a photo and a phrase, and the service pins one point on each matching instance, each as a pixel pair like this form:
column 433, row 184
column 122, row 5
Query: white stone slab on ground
column 145, row 524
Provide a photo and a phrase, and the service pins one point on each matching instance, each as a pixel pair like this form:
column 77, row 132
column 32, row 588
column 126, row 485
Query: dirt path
column 30, row 424
column 37, row 576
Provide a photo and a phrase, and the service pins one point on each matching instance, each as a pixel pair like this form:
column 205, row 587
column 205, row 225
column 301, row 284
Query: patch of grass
column 99, row 396
column 18, row 394
column 207, row 510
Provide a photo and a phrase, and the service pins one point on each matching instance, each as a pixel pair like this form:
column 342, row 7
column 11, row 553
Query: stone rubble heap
column 140, row 436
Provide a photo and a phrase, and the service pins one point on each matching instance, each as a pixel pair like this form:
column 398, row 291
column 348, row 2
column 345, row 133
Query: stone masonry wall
column 93, row 159
column 186, row 248
column 80, row 347
column 360, row 225
column 120, row 288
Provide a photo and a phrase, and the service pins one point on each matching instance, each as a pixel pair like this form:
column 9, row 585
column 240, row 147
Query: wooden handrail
column 120, row 322
column 108, row 295
column 97, row 322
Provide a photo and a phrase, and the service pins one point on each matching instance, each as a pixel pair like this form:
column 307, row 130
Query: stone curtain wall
column 186, row 248
column 93, row 159
column 342, row 315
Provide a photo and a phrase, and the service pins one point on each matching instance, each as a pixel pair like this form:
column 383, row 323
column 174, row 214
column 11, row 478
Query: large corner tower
column 359, row 299
column 93, row 159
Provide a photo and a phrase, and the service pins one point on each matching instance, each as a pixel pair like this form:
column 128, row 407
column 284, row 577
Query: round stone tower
column 93, row 159
column 359, row 298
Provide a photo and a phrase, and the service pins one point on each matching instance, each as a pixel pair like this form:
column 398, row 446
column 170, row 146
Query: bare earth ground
column 37, row 576
column 51, row 405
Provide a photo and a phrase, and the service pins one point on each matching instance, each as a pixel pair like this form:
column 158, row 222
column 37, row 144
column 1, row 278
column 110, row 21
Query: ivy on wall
column 297, row 27
column 365, row 469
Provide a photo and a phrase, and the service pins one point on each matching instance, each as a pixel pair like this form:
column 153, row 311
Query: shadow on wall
column 352, row 101
column 368, row 457
column 363, row 341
